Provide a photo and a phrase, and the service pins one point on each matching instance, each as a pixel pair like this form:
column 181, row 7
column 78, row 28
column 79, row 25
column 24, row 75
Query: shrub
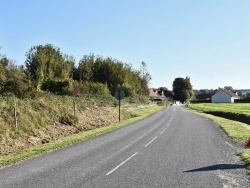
column 68, row 119
column 57, row 87
column 247, row 100
column 200, row 101
column 161, row 103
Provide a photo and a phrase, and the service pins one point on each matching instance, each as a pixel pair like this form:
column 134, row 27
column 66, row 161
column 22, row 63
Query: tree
column 204, row 91
column 229, row 88
column 163, row 88
column 46, row 63
column 86, row 67
column 146, row 77
column 247, row 95
column 182, row 89
column 13, row 79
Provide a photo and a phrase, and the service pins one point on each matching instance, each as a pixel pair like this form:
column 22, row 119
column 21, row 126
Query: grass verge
column 236, row 130
column 69, row 140
column 245, row 155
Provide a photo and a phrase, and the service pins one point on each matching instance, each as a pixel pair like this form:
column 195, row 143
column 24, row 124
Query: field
column 237, row 108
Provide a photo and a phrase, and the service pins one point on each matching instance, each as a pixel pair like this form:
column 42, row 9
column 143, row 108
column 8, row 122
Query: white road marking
column 121, row 164
column 229, row 144
column 150, row 142
column 163, row 131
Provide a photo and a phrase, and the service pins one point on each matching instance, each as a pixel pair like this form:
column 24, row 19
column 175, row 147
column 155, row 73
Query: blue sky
column 206, row 40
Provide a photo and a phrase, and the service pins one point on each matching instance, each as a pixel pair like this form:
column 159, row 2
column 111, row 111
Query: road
column 172, row 148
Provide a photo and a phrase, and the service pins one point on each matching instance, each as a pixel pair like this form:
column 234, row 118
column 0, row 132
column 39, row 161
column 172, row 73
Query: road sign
column 119, row 94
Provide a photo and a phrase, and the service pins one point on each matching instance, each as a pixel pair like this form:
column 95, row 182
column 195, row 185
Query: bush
column 161, row 103
column 68, row 119
column 57, row 87
column 91, row 88
column 200, row 101
column 247, row 100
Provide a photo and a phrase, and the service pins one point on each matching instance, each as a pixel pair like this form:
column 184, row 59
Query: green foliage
column 13, row 79
column 58, row 87
column 237, row 112
column 245, row 155
column 200, row 101
column 229, row 88
column 48, row 69
column 246, row 100
column 45, row 109
column 113, row 73
column 146, row 77
column 163, row 89
column 162, row 103
column 92, row 88
column 68, row 119
column 182, row 89
column 48, row 63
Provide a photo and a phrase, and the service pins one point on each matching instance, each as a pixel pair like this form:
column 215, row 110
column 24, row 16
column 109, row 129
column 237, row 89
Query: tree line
column 46, row 68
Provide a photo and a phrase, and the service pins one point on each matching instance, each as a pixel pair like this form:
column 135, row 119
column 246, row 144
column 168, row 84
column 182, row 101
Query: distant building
column 224, row 96
column 156, row 94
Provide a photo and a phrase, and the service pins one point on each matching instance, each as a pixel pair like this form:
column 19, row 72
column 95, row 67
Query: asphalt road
column 172, row 148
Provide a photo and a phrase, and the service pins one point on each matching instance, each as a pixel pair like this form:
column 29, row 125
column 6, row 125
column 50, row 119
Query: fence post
column 74, row 102
column 15, row 113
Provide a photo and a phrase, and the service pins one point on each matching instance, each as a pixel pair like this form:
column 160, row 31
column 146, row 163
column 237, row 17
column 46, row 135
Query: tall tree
column 146, row 77
column 86, row 67
column 182, row 89
column 46, row 62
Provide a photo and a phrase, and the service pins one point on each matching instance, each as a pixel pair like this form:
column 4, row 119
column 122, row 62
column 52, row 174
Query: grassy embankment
column 41, row 116
column 236, row 130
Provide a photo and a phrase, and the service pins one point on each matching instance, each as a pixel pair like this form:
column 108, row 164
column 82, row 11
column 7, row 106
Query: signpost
column 119, row 95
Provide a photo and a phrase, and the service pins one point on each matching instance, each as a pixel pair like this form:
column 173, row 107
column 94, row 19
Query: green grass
column 237, row 108
column 33, row 151
column 245, row 155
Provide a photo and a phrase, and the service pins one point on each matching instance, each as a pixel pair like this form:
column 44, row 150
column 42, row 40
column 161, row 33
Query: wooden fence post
column 74, row 102
column 15, row 113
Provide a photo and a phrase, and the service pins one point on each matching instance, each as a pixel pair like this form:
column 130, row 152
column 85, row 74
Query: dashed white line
column 121, row 164
column 163, row 131
column 150, row 142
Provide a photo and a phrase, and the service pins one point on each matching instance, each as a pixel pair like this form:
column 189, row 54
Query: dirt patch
column 89, row 118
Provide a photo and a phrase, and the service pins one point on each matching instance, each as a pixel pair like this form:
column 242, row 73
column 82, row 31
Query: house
column 156, row 94
column 153, row 94
column 223, row 96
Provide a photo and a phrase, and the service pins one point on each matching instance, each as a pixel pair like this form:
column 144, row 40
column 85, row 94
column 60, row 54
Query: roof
column 156, row 93
column 229, row 92
column 152, row 93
